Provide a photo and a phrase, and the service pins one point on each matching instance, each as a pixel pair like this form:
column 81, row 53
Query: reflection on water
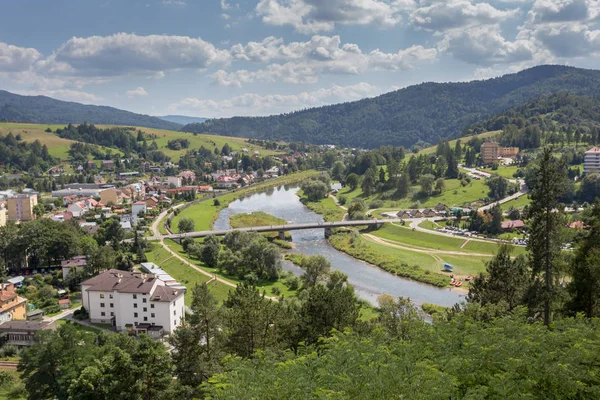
column 369, row 281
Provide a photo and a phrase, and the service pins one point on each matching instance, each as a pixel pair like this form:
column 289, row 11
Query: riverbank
column 205, row 213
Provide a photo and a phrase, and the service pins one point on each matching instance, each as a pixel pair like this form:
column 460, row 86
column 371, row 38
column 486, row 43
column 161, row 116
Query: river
column 369, row 281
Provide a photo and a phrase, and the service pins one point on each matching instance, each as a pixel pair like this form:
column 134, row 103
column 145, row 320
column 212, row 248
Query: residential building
column 3, row 215
column 78, row 209
column 133, row 301
column 138, row 207
column 76, row 263
column 174, row 181
column 22, row 333
column 512, row 225
column 508, row 152
column 20, row 207
column 591, row 160
column 190, row 176
column 167, row 279
column 111, row 196
column 108, row 165
column 489, row 152
column 64, row 304
column 12, row 306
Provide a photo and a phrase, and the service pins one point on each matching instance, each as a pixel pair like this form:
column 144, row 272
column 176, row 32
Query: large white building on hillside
column 591, row 161
column 133, row 300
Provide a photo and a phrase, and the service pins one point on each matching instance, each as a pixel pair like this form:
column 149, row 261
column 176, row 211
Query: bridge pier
column 327, row 233
column 281, row 235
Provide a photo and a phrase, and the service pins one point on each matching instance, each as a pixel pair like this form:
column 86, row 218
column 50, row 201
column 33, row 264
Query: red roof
column 593, row 150
column 513, row 224
column 64, row 301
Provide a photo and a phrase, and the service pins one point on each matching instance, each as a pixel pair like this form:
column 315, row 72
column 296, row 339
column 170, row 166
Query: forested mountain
column 420, row 114
column 558, row 118
column 182, row 119
column 45, row 110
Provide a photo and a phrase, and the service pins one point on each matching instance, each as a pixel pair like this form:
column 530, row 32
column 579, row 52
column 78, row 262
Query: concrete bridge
column 373, row 224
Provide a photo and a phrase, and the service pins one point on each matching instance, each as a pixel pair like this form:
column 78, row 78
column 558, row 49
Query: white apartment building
column 133, row 300
column 591, row 161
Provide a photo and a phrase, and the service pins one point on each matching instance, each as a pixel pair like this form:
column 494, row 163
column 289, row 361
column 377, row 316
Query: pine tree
column 545, row 222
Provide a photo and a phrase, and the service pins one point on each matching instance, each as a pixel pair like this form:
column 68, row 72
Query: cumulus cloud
column 312, row 16
column 254, row 104
column 485, row 45
column 129, row 53
column 443, row 15
column 568, row 40
column 137, row 92
column 321, row 54
column 14, row 58
column 560, row 10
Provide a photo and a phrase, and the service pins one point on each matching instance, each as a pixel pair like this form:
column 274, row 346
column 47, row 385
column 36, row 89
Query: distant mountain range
column 45, row 110
column 420, row 114
column 183, row 119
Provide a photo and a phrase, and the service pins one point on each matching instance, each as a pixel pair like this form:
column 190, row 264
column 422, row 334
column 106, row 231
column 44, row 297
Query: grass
column 408, row 264
column 221, row 291
column 428, row 225
column 519, row 202
column 205, row 213
column 507, row 171
column 327, row 208
column 257, row 218
column 453, row 195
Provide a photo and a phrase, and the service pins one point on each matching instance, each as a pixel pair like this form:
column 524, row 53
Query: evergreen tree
column 545, row 240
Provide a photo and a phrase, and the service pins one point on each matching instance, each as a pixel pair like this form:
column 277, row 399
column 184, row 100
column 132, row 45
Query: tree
column 38, row 210
column 545, row 241
column 505, row 280
column 589, row 190
column 315, row 268
column 426, row 183
column 369, row 181
column 440, row 185
column 399, row 318
column 381, row 175
column 403, row 186
column 352, row 181
column 210, row 251
column 441, row 165
column 357, row 211
column 186, row 225
column 113, row 233
column 338, row 170
column 198, row 343
column 314, row 189
column 498, row 186
column 585, row 266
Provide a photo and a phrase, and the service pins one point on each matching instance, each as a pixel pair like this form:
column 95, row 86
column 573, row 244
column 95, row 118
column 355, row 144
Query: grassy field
column 59, row 147
column 327, row 208
column 517, row 203
column 265, row 285
column 205, row 213
column 506, row 171
column 432, row 149
column 257, row 218
column 453, row 195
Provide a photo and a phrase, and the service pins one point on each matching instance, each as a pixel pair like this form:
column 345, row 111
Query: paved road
column 64, row 314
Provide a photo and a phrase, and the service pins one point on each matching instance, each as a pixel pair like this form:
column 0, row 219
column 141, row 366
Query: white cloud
column 174, row 2
column 311, row 16
column 225, row 6
column 254, row 104
column 544, row 11
column 568, row 40
column 320, row 54
column 137, row 92
column 124, row 53
column 443, row 15
column 14, row 58
column 485, row 45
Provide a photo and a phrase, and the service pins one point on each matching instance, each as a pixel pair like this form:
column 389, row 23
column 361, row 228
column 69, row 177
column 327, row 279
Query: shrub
column 6, row 379
column 292, row 282
column 376, row 204
column 342, row 199
column 276, row 291
column 81, row 314
column 9, row 351
column 216, row 202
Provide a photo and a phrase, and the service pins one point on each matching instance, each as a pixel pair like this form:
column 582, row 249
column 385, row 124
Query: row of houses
column 440, row 210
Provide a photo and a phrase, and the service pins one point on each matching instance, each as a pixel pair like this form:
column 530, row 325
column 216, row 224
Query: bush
column 292, row 282
column 81, row 314
column 18, row 391
column 51, row 309
column 6, row 379
column 376, row 204
column 342, row 199
column 216, row 202
column 276, row 291
column 9, row 351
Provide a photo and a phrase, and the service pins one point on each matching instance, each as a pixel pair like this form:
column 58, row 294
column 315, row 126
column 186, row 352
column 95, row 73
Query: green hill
column 422, row 114
column 45, row 110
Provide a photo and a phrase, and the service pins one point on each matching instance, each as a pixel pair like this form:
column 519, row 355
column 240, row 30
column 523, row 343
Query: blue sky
column 219, row 58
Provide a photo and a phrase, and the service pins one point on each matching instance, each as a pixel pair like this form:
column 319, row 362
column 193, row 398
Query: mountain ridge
column 182, row 119
column 420, row 114
column 46, row 110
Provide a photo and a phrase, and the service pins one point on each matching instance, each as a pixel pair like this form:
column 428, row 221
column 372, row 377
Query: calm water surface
column 368, row 281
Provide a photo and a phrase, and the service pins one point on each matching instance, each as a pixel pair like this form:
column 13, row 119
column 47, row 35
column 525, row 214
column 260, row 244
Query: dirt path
column 465, row 243
column 337, row 203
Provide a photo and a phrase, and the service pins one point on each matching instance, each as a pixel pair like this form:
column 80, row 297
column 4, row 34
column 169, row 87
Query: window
column 110, row 296
column 134, row 305
column 135, row 315
column 143, row 300
column 174, row 312
column 102, row 313
column 135, row 296
column 112, row 305
column 151, row 305
column 101, row 296
column 145, row 319
column 145, row 309
column 102, row 305
column 112, row 314
column 152, row 315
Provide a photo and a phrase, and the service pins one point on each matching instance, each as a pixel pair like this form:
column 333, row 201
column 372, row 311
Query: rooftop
column 25, row 326
column 115, row 280
column 593, row 150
